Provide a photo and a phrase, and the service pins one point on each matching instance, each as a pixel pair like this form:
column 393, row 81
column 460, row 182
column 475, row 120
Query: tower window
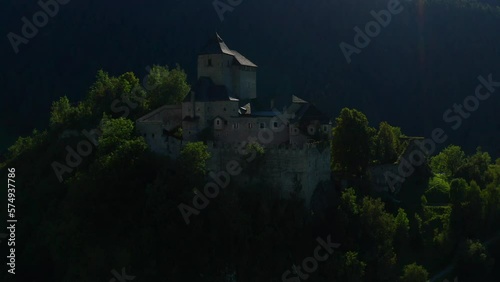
column 275, row 124
column 209, row 63
column 249, row 125
column 262, row 125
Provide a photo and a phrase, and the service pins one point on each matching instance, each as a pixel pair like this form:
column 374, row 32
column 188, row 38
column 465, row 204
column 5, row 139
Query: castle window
column 236, row 125
column 198, row 109
column 224, row 109
column 249, row 125
column 275, row 124
column 209, row 63
column 152, row 135
column 217, row 122
column 311, row 130
column 262, row 125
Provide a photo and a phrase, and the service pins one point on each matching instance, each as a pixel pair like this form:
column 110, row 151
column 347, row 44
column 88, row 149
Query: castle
column 223, row 110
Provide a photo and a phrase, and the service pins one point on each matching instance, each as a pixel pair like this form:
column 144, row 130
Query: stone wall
column 220, row 70
column 282, row 166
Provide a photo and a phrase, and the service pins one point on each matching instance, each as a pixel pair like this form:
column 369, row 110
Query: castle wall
column 245, row 82
column 190, row 130
column 238, row 129
column 220, row 70
column 280, row 167
column 223, row 109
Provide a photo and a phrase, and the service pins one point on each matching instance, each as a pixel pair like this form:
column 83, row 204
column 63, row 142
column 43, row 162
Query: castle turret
column 226, row 67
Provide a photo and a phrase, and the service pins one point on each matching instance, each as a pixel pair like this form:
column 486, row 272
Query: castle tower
column 226, row 67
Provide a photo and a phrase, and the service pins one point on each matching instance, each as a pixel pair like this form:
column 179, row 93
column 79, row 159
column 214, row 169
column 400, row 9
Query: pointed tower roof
column 215, row 45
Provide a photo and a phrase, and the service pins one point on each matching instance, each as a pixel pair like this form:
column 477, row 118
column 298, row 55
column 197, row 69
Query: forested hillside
column 118, row 207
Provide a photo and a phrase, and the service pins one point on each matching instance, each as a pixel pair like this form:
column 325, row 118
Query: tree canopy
column 352, row 142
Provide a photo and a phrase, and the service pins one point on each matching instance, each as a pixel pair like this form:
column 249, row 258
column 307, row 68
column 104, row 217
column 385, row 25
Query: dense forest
column 424, row 61
column 118, row 208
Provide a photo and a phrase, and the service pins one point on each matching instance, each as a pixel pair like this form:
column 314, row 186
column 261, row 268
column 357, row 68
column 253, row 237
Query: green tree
column 348, row 216
column 166, row 86
column 458, row 199
column 475, row 167
column 474, row 262
column 378, row 229
column 118, row 146
column 348, row 202
column 387, row 143
column 402, row 225
column 414, row 273
column 473, row 210
column 458, row 190
column 60, row 111
column 439, row 190
column 114, row 132
column 491, row 196
column 109, row 94
column 194, row 157
column 352, row 142
column 351, row 267
column 27, row 144
column 448, row 161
